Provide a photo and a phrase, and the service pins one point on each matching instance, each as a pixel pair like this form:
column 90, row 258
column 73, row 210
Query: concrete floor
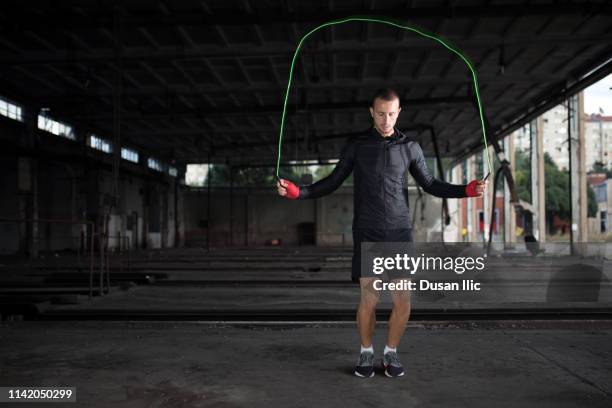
column 196, row 363
column 182, row 364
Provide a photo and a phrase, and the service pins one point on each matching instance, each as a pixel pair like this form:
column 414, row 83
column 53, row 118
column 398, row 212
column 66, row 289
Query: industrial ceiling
column 188, row 79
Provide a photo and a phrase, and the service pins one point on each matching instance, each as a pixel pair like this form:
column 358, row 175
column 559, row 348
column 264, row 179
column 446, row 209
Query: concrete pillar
column 165, row 218
column 460, row 203
column 319, row 220
column 536, row 128
column 578, row 180
column 452, row 232
column 583, row 225
column 509, row 212
column 180, row 215
column 27, row 183
column 472, row 213
column 172, row 213
column 27, row 174
column 93, row 206
column 486, row 207
column 171, row 225
column 246, row 217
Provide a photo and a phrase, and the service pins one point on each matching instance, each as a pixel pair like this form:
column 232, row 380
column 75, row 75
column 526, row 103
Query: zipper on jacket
column 384, row 182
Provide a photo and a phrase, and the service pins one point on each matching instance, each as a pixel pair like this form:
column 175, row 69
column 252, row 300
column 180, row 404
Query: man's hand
column 476, row 188
column 288, row 189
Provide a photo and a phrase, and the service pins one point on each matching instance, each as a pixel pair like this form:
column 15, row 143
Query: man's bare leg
column 399, row 316
column 366, row 311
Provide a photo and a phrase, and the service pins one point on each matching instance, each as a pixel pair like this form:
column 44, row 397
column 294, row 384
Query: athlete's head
column 385, row 109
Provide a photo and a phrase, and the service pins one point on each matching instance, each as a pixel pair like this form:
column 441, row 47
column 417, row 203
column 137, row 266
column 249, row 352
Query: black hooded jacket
column 380, row 183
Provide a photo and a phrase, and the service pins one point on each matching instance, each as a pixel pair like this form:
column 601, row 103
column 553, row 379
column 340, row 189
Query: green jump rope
column 420, row 32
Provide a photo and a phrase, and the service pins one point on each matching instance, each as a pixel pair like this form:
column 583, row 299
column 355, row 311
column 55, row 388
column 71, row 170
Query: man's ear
column 371, row 112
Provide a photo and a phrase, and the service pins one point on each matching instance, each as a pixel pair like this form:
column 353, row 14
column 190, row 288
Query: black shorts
column 374, row 235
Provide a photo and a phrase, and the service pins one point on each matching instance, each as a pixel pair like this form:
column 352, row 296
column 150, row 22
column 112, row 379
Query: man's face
column 385, row 114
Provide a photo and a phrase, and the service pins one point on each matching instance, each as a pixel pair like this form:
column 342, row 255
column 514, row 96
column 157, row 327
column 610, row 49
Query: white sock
column 388, row 349
column 370, row 349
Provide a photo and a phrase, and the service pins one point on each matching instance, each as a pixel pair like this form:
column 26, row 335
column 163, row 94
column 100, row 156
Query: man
column 379, row 159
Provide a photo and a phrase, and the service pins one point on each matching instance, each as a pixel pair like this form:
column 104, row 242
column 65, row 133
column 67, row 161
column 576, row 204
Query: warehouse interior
column 146, row 258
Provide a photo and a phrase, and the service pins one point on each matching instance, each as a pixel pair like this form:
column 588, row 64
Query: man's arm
column 329, row 184
column 430, row 184
column 324, row 186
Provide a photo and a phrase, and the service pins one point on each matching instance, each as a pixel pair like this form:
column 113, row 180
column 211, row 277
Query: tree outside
column 556, row 191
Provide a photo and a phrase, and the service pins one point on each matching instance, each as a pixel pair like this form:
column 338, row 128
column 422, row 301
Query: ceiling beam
column 53, row 19
column 192, row 89
column 437, row 103
column 207, row 53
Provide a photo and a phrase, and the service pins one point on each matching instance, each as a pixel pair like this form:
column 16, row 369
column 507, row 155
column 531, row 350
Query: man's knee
column 401, row 302
column 400, row 298
column 369, row 302
column 369, row 295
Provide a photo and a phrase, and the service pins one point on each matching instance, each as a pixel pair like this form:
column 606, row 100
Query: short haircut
column 386, row 94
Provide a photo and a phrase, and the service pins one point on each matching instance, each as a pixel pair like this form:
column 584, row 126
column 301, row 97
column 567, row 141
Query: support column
column 247, row 192
column 231, row 207
column 578, row 194
column 319, row 219
column 583, row 225
column 472, row 213
column 460, row 203
column 537, row 179
column 509, row 212
column 208, row 223
column 541, row 188
column 180, row 215
column 27, row 183
column 486, row 197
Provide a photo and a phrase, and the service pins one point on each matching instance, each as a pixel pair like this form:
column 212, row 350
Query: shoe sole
column 393, row 376
column 363, row 376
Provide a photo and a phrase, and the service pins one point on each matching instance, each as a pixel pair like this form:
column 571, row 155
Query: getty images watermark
column 396, row 262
